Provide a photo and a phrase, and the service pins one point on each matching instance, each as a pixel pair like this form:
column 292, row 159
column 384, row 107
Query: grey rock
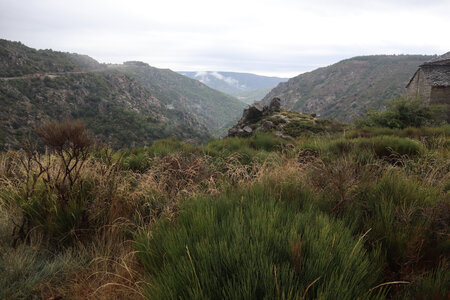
column 267, row 125
column 275, row 106
column 283, row 119
column 254, row 113
column 252, row 116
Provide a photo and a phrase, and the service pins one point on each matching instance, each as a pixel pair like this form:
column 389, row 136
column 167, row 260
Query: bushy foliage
column 253, row 149
column 378, row 147
column 139, row 159
column 402, row 113
column 361, row 214
column 249, row 245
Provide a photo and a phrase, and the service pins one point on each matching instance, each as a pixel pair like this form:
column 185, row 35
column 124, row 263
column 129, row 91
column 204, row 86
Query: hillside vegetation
column 115, row 107
column 244, row 86
column 123, row 105
column 16, row 59
column 348, row 88
column 213, row 108
column 348, row 213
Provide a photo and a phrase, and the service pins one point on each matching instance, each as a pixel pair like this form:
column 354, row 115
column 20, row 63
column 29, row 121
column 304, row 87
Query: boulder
column 253, row 114
column 275, row 106
column 267, row 125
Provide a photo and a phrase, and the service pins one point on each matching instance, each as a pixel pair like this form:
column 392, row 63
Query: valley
column 127, row 181
column 48, row 84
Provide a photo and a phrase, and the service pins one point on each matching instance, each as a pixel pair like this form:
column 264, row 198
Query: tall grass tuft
column 254, row 244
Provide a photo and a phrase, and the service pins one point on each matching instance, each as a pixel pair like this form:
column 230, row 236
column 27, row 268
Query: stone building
column 431, row 82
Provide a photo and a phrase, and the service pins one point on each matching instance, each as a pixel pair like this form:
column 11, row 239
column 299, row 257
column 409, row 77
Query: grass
column 360, row 214
column 248, row 245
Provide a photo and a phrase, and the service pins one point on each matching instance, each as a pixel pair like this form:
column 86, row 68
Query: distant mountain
column 244, row 86
column 213, row 108
column 16, row 59
column 348, row 88
column 125, row 105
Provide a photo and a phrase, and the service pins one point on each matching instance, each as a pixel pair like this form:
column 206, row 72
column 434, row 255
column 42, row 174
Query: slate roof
column 437, row 75
column 443, row 59
column 436, row 71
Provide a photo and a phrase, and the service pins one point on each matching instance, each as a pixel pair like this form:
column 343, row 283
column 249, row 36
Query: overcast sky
column 281, row 38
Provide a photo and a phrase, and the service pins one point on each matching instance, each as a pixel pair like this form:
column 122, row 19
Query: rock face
column 275, row 106
column 252, row 116
column 282, row 123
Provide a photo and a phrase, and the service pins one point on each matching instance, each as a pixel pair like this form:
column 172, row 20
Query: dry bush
column 180, row 175
column 113, row 272
column 340, row 178
column 430, row 168
column 70, row 143
column 242, row 174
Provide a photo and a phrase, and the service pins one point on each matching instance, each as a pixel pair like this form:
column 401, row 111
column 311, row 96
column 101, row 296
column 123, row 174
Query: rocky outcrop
column 252, row 119
column 282, row 123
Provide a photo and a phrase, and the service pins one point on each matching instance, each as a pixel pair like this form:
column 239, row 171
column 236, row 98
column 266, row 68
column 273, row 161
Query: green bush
column 380, row 146
column 245, row 150
column 385, row 146
column 171, row 146
column 266, row 141
column 433, row 285
column 249, row 245
column 139, row 159
column 402, row 113
column 395, row 211
column 24, row 270
column 44, row 210
column 297, row 128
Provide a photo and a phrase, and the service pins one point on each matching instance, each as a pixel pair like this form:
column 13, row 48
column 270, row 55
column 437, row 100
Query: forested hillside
column 348, row 88
column 123, row 105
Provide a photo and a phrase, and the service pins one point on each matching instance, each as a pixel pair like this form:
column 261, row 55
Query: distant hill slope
column 348, row 88
column 213, row 108
column 244, row 86
column 121, row 104
column 16, row 59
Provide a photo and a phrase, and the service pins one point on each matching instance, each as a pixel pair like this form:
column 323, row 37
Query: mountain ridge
column 247, row 87
column 346, row 89
column 115, row 103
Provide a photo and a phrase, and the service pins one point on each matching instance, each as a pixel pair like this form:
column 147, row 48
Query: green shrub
column 44, row 210
column 401, row 113
column 246, row 150
column 385, row 146
column 339, row 146
column 24, row 270
column 137, row 160
column 266, row 141
column 171, row 146
column 395, row 211
column 297, row 128
column 249, row 245
column 433, row 285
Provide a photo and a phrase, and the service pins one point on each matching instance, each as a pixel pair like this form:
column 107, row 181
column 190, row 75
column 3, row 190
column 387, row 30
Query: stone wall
column 440, row 95
column 419, row 87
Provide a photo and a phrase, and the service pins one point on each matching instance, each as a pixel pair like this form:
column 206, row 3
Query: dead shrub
column 339, row 179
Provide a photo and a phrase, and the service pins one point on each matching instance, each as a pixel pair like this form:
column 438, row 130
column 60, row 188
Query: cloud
column 283, row 37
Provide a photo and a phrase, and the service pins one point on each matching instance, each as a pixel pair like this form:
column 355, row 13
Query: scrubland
column 358, row 214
